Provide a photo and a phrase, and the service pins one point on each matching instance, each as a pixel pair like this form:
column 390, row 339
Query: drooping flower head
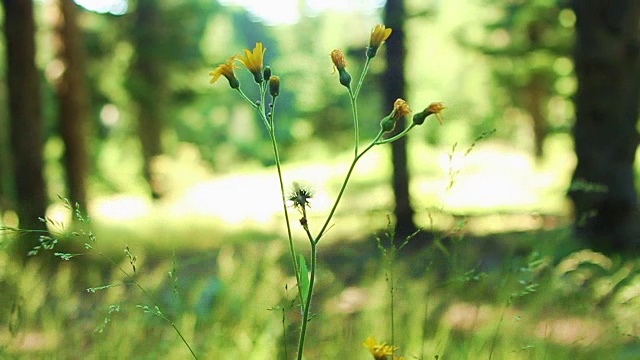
column 400, row 110
column 434, row 108
column 226, row 70
column 379, row 351
column 254, row 61
column 340, row 64
column 338, row 59
column 379, row 34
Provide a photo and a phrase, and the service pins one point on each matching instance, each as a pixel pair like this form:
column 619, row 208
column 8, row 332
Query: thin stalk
column 365, row 69
column 344, row 186
column 148, row 296
column 392, row 290
column 276, row 155
column 396, row 137
column 307, row 304
column 356, row 126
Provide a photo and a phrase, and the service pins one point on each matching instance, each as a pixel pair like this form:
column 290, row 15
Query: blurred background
column 107, row 103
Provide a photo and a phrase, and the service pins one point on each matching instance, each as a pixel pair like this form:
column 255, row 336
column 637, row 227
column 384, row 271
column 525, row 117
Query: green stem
column 365, row 69
column 276, row 155
column 344, row 186
column 356, row 126
column 256, row 107
column 396, row 137
column 392, row 290
column 307, row 303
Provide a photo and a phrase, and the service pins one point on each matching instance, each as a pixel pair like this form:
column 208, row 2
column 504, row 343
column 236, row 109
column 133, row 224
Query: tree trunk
column 147, row 86
column 73, row 103
column 607, row 60
column 394, row 87
column 25, row 121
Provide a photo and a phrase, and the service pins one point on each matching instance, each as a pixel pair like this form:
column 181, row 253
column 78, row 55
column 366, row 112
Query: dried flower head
column 340, row 63
column 338, row 59
column 254, row 61
column 436, row 109
column 379, row 34
column 400, row 109
column 300, row 195
column 433, row 109
column 226, row 70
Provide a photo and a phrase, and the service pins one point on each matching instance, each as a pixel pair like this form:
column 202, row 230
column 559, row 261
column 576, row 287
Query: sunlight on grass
column 494, row 178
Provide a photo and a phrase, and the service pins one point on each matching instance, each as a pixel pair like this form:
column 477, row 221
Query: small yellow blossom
column 225, row 70
column 338, row 59
column 379, row 34
column 254, row 61
column 379, row 351
column 400, row 109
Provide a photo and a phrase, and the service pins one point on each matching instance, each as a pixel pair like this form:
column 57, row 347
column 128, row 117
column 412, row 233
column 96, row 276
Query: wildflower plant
column 267, row 83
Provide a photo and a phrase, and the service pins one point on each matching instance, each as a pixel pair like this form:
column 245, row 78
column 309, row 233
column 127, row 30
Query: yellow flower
column 225, row 70
column 254, row 60
column 379, row 351
column 379, row 34
column 400, row 109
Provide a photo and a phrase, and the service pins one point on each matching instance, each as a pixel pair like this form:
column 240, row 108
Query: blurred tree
column 394, row 85
column 524, row 44
column 607, row 58
column 147, row 82
column 73, row 99
column 25, row 121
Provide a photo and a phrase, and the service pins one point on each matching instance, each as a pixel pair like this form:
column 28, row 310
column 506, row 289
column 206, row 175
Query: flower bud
column 267, row 72
column 274, row 85
column 388, row 123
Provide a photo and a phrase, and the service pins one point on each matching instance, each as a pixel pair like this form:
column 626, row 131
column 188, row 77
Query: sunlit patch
column 570, row 331
column 60, row 217
column 113, row 7
column 121, row 207
column 467, row 316
column 349, row 301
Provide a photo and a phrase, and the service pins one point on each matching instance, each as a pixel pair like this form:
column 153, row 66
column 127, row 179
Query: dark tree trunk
column 535, row 98
column 73, row 103
column 394, row 87
column 25, row 123
column 607, row 60
column 147, row 86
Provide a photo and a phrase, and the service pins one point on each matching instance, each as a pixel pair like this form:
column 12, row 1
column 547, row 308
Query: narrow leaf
column 304, row 281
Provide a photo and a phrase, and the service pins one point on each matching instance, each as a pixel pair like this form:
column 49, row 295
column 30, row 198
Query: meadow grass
column 509, row 296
